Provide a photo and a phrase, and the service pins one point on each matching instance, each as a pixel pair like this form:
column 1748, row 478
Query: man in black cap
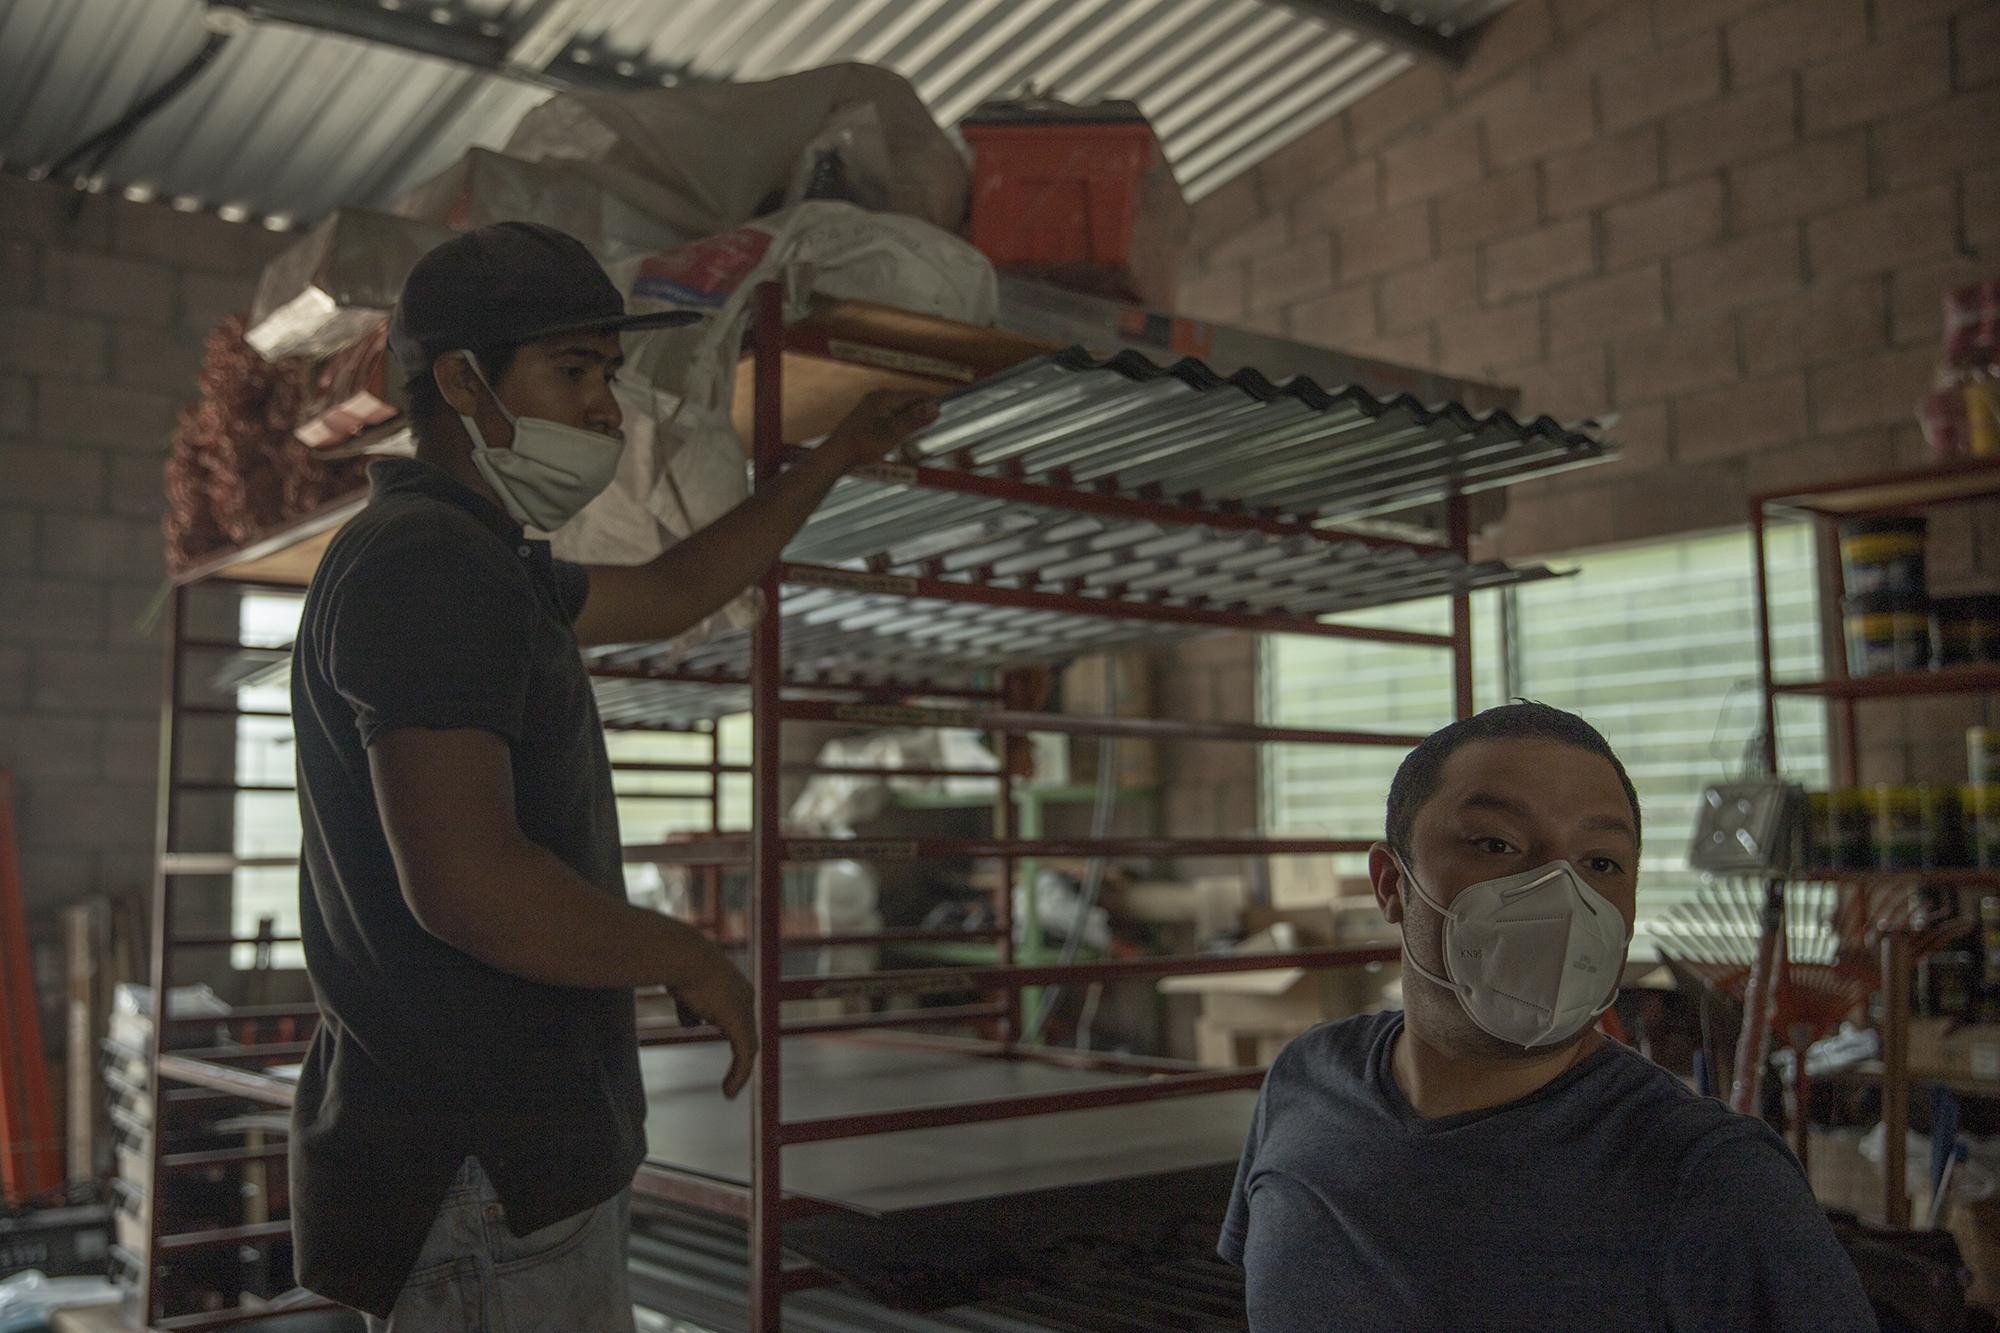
column 470, row 1115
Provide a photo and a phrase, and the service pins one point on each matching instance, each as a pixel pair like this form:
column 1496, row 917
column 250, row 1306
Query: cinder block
column 34, row 609
column 1267, row 233
column 1684, row 498
column 1916, row 297
column 1226, row 210
column 1899, row 74
column 196, row 240
column 1790, row 36
column 1827, row 322
column 1418, row 295
column 1477, row 342
column 110, row 680
column 127, row 290
column 1826, row 458
column 131, row 618
column 1504, row 204
column 1216, row 294
column 1932, row 143
column 138, row 487
column 13, row 675
column 1282, row 276
column 1567, row 388
column 1870, row 391
column 132, row 419
column 1605, row 172
column 1976, row 47
column 1556, row 118
column 45, row 211
column 130, row 749
column 1740, row 418
column 1882, row 234
column 1340, row 319
column 1355, row 192
column 165, row 360
column 1655, row 363
column 206, row 298
column 17, row 405
column 1586, row 313
column 1666, row 222
column 20, row 539
column 1296, row 166
column 48, row 342
column 1980, row 207
column 1644, row 436
column 1737, row 273
column 1412, row 96
column 1511, row 37
column 1678, row 18
column 1415, row 348
column 1760, row 119
column 20, row 273
column 40, row 746
column 67, row 814
column 1444, row 158
column 53, row 477
column 1539, row 259
column 1683, row 74
column 51, row 878
column 1594, row 35
column 1386, row 242
column 1815, row 177
column 91, row 547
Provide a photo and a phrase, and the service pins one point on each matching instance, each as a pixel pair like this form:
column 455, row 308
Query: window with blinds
column 1654, row 645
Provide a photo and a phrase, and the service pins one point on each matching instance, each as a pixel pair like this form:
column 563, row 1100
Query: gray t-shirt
column 1612, row 1199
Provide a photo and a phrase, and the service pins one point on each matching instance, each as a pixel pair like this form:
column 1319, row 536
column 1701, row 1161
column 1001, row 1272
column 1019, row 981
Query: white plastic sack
column 33, row 1293
column 834, row 805
column 684, row 465
column 710, row 156
column 485, row 187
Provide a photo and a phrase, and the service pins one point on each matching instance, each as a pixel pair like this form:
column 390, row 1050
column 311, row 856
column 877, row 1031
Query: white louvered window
column 1654, row 645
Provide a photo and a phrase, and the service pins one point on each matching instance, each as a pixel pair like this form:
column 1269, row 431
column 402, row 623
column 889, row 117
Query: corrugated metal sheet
column 289, row 124
column 1122, row 426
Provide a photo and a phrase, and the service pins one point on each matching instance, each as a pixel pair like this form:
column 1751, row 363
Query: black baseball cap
column 512, row 282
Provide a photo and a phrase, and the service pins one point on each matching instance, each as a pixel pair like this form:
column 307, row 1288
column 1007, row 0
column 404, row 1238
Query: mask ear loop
column 1445, row 981
column 471, row 426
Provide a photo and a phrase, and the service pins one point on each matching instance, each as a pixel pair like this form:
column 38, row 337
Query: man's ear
column 1386, row 874
column 457, row 381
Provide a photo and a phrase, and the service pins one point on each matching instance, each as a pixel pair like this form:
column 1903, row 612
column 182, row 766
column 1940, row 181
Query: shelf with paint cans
column 1906, row 860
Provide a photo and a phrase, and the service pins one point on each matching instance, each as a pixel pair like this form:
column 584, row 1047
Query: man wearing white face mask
column 470, row 1115
column 1485, row 1158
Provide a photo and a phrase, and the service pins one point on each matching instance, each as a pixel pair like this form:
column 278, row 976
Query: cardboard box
column 1114, row 684
column 1243, row 1013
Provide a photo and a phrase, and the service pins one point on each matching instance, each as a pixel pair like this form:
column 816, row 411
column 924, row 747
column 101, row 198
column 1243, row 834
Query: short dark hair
column 1417, row 778
column 426, row 402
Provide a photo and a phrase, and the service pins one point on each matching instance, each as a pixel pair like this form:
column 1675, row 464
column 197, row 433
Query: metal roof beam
column 409, row 31
column 1392, row 30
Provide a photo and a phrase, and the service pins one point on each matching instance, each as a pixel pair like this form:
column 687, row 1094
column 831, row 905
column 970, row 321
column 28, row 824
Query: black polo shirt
column 431, row 609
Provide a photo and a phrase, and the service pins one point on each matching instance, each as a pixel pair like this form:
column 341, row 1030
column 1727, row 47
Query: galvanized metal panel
column 289, row 124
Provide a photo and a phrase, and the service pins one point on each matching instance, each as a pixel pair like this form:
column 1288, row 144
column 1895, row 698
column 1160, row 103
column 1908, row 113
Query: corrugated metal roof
column 291, row 123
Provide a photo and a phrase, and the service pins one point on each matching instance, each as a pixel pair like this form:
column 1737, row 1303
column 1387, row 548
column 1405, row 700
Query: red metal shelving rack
column 1144, row 553
column 1825, row 505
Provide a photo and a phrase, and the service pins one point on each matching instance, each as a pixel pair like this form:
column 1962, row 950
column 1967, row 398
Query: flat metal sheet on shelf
column 689, row 1126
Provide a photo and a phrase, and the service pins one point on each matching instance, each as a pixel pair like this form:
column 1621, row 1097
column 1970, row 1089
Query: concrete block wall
column 104, row 306
column 1728, row 221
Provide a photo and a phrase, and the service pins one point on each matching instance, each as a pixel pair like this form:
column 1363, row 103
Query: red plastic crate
column 1059, row 196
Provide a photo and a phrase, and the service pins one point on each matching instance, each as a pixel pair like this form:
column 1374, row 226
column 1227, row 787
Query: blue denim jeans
column 476, row 1276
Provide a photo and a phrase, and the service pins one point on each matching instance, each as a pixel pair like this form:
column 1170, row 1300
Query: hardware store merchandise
column 1062, row 666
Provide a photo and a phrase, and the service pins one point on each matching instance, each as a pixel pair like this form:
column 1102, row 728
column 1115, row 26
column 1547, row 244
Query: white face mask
column 1534, row 958
column 552, row 471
